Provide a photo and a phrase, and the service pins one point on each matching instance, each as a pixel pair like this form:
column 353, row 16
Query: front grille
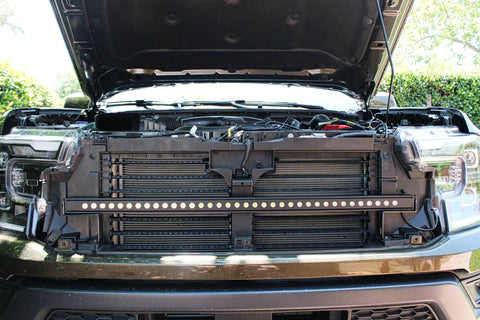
column 420, row 312
column 417, row 312
column 66, row 315
column 153, row 232
column 312, row 315
column 274, row 232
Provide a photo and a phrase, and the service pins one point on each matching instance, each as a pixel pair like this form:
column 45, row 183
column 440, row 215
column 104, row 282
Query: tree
column 441, row 34
column 17, row 90
column 67, row 83
column 7, row 9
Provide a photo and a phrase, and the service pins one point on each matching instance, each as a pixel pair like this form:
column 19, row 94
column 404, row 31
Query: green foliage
column 463, row 93
column 441, row 36
column 67, row 83
column 17, row 90
column 475, row 261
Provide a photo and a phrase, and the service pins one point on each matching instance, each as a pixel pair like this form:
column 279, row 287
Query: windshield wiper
column 284, row 104
column 240, row 104
column 178, row 105
column 236, row 104
column 140, row 103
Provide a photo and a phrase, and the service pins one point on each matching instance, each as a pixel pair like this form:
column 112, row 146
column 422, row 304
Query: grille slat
column 103, row 315
column 420, row 312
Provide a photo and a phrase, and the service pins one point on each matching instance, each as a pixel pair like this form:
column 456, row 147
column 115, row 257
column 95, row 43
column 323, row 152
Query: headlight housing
column 30, row 152
column 22, row 177
column 454, row 157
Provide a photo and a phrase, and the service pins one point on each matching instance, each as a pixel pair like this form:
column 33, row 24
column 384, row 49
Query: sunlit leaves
column 441, row 36
column 420, row 90
column 17, row 90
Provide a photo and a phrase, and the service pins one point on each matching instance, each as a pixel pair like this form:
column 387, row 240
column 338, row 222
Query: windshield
column 247, row 94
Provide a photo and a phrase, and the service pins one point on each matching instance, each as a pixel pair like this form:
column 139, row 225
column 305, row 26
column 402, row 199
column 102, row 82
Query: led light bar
column 376, row 203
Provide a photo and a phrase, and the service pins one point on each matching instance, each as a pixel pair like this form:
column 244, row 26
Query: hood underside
column 119, row 44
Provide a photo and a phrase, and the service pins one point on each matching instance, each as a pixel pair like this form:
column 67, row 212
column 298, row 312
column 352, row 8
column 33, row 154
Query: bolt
column 51, row 239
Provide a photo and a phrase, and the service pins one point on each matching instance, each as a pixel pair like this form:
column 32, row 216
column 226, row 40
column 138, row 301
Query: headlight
column 25, row 153
column 22, row 177
column 455, row 158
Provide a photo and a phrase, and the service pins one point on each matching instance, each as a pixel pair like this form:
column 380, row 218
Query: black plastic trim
column 35, row 299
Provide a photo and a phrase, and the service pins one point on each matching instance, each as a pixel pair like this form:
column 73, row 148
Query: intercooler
column 176, row 175
column 273, row 232
column 323, row 176
column 154, row 232
column 185, row 176
column 188, row 175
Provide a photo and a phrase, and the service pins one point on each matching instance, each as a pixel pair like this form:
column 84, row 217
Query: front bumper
column 442, row 294
column 238, row 286
column 20, row 257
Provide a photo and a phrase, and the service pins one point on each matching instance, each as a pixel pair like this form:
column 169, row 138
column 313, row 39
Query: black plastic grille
column 315, row 315
column 420, row 312
column 66, row 315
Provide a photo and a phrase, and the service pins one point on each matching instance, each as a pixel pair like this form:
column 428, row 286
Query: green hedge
column 412, row 90
column 17, row 90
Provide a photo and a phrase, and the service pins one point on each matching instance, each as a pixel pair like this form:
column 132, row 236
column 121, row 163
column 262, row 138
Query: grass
column 475, row 260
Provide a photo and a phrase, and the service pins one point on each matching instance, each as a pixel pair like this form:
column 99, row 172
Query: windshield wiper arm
column 178, row 105
column 240, row 104
column 285, row 104
column 236, row 104
column 139, row 103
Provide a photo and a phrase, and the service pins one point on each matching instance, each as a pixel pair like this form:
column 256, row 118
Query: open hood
column 120, row 44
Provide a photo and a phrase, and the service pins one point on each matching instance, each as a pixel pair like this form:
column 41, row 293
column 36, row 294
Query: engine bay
column 227, row 179
column 234, row 125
